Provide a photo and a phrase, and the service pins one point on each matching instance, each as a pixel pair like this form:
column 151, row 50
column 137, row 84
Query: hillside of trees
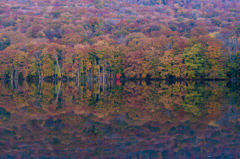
column 159, row 39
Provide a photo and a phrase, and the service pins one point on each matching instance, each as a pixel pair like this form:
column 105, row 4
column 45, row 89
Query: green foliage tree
column 194, row 60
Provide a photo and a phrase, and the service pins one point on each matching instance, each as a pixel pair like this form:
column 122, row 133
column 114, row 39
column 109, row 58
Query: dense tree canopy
column 138, row 38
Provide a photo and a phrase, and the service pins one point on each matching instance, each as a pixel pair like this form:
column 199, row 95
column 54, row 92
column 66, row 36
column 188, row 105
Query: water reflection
column 119, row 120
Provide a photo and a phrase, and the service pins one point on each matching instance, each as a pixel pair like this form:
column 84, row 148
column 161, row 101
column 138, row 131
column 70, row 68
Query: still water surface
column 119, row 120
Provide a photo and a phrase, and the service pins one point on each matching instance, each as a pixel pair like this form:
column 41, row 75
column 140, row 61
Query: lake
column 114, row 119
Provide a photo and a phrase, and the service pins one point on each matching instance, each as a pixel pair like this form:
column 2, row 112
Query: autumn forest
column 138, row 39
column 149, row 79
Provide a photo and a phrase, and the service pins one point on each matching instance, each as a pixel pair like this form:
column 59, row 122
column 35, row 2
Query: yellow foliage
column 213, row 123
column 132, row 74
column 213, row 34
column 88, row 65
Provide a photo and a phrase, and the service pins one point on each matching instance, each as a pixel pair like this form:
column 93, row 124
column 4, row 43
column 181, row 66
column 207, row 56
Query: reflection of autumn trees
column 84, row 118
column 194, row 98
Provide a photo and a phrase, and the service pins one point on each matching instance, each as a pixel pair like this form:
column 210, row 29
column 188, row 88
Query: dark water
column 119, row 120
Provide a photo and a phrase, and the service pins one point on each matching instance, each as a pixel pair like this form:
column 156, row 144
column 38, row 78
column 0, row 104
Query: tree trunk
column 78, row 74
column 103, row 73
column 40, row 72
column 4, row 76
column 99, row 71
column 103, row 78
column 58, row 65
column 12, row 74
column 12, row 85
column 16, row 74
